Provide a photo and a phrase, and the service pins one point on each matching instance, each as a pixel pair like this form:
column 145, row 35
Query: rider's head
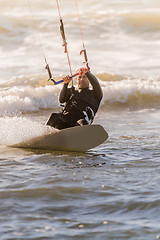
column 82, row 79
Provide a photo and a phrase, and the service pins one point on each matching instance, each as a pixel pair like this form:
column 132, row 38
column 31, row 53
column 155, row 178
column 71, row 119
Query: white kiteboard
column 80, row 138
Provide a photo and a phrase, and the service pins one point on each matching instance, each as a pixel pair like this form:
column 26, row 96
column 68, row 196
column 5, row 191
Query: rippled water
column 110, row 192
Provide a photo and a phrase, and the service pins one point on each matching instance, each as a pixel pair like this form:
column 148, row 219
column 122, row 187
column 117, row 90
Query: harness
column 82, row 105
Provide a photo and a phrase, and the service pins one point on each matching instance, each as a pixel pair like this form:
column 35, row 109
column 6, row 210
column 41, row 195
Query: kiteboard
column 79, row 139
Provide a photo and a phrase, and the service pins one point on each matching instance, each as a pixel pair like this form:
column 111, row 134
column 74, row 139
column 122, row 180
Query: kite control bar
column 60, row 81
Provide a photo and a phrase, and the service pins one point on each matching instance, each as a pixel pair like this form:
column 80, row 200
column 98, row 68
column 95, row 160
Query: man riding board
column 81, row 105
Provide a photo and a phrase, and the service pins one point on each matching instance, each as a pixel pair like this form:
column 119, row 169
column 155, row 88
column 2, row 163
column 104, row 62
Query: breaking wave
column 36, row 94
column 131, row 92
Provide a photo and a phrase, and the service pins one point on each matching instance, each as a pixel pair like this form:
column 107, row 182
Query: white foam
column 121, row 91
column 17, row 129
column 27, row 99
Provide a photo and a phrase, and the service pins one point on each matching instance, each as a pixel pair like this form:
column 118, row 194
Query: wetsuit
column 80, row 105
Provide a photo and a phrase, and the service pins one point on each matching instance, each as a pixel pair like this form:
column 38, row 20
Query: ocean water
column 111, row 191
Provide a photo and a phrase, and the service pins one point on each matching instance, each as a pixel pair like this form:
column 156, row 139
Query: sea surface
column 111, row 191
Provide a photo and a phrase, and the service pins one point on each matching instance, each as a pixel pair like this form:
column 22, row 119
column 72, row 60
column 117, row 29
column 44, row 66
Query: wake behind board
column 79, row 139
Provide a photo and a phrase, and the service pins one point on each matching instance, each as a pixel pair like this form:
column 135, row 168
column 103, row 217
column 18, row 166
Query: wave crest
column 131, row 92
column 24, row 95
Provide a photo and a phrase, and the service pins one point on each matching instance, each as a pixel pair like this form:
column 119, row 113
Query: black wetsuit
column 79, row 105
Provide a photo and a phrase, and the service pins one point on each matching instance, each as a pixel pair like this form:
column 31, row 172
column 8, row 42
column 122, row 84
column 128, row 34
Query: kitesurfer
column 80, row 105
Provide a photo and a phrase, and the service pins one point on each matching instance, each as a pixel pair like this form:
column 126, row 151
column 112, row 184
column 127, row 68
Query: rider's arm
column 64, row 94
column 95, row 84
